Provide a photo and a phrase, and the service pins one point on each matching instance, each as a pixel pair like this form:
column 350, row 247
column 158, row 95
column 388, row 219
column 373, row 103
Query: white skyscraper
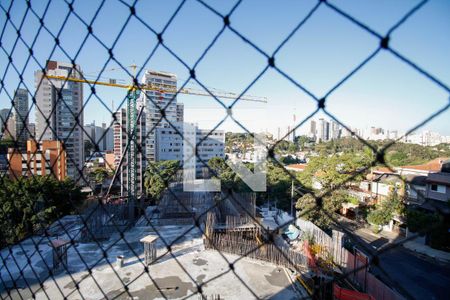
column 154, row 102
column 60, row 115
column 324, row 131
column 313, row 129
column 335, row 130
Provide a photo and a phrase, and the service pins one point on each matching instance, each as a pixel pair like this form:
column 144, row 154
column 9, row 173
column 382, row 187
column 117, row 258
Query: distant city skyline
column 328, row 129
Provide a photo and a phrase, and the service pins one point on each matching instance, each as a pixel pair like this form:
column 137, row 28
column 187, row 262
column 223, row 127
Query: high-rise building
column 210, row 144
column 180, row 112
column 20, row 117
column 335, row 130
column 31, row 131
column 102, row 136
column 324, row 130
column 121, row 139
column 392, row 134
column 169, row 145
column 45, row 158
column 313, row 129
column 4, row 113
column 60, row 115
column 154, row 101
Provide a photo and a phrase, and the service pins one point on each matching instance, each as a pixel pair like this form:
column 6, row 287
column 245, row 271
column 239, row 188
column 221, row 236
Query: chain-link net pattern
column 22, row 287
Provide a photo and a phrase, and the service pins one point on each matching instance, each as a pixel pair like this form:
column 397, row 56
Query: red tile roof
column 296, row 167
column 431, row 166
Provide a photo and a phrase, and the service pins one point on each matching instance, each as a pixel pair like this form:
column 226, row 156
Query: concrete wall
column 379, row 188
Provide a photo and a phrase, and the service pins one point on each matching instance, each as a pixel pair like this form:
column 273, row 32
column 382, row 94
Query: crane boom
column 162, row 88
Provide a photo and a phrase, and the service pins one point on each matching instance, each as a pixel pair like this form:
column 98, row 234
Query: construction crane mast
column 133, row 93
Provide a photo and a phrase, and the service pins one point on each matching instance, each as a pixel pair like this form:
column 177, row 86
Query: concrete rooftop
column 172, row 276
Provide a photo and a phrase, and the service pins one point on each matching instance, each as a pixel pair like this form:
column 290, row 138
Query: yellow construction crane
column 161, row 87
column 132, row 96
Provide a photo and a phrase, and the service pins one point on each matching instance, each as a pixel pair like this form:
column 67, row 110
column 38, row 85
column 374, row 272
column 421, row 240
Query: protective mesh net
column 67, row 255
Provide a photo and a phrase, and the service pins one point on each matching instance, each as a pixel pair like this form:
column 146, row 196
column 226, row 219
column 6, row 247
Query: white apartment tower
column 335, row 130
column 60, row 115
column 156, row 100
column 323, row 132
column 121, row 138
column 313, row 129
column 209, row 144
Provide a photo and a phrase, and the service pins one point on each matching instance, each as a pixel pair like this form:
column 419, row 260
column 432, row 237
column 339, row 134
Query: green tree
column 88, row 147
column 303, row 142
column 308, row 208
column 158, row 176
column 419, row 220
column 385, row 211
column 220, row 170
column 335, row 170
column 100, row 174
column 29, row 205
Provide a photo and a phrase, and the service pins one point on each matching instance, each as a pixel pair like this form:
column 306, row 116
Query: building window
column 438, row 188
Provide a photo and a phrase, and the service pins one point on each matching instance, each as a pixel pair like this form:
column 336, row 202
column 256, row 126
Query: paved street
column 421, row 278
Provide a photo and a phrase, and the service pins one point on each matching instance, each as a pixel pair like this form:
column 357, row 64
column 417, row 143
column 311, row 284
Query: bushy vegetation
column 335, row 170
column 323, row 212
column 422, row 221
column 419, row 220
column 28, row 205
column 398, row 154
column 278, row 182
column 385, row 211
column 157, row 178
column 100, row 174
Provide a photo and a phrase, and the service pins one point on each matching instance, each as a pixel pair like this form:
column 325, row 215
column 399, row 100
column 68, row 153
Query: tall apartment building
column 180, row 112
column 121, row 138
column 31, row 131
column 335, row 130
column 324, row 130
column 4, row 113
column 20, row 118
column 169, row 145
column 154, row 101
column 213, row 145
column 313, row 129
column 45, row 158
column 60, row 116
column 103, row 136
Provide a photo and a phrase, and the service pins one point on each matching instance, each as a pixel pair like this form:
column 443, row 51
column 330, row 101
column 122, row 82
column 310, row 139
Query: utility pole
column 292, row 199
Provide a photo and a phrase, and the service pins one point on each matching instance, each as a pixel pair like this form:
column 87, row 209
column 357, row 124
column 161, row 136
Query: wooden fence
column 329, row 244
column 249, row 243
column 252, row 249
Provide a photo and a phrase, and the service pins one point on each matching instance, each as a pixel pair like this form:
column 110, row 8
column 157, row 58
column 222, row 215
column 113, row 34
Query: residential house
column 438, row 191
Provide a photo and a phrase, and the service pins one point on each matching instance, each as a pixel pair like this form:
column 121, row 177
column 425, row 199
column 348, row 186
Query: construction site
column 168, row 253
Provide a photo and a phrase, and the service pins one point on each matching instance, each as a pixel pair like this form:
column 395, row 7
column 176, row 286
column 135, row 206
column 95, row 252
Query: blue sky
column 386, row 92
